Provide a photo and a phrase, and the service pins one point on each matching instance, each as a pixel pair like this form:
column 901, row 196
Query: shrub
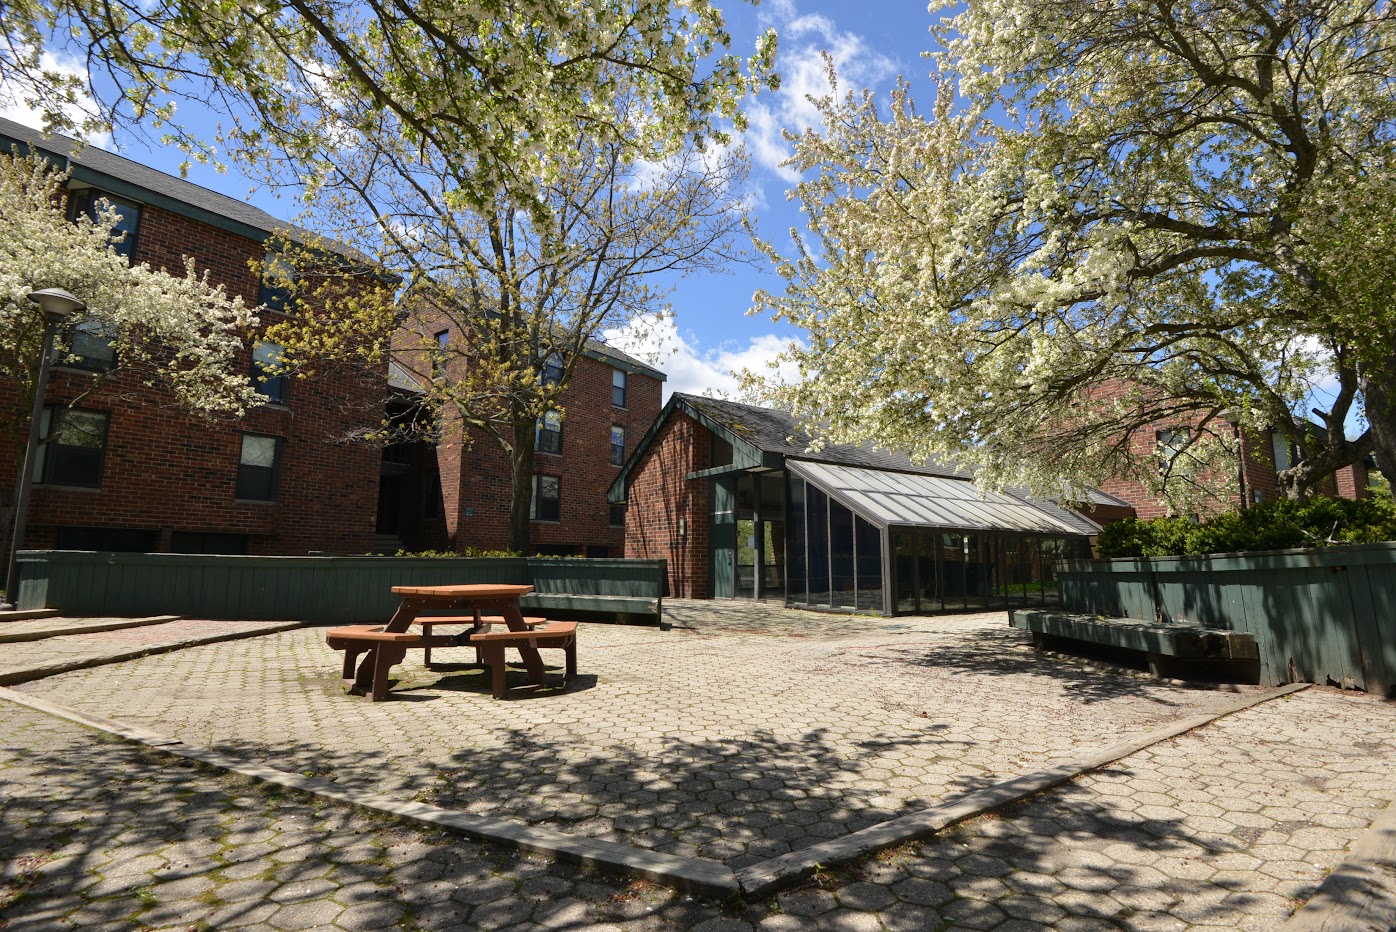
column 453, row 555
column 1316, row 522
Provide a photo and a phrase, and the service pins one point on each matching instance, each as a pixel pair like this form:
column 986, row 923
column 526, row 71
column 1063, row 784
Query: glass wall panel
column 868, row 545
column 842, row 572
column 796, row 555
column 904, row 582
column 817, row 512
column 772, row 514
column 952, row 570
column 978, row 575
column 1032, row 568
column 746, row 558
column 1013, row 568
column 927, row 549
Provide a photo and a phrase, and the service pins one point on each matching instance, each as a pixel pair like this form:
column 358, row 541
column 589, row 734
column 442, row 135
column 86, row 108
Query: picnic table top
column 472, row 591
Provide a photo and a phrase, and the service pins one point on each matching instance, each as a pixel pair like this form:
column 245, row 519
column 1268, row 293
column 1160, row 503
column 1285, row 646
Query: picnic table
column 387, row 645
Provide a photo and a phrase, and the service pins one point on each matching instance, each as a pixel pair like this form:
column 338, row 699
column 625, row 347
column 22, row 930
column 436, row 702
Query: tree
column 184, row 334
column 522, row 293
column 1181, row 199
column 500, row 88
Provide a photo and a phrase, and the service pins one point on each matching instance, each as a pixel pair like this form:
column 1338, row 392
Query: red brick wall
column 475, row 474
column 167, row 471
column 659, row 496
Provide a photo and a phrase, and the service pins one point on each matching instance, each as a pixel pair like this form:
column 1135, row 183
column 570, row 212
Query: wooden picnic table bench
column 387, row 645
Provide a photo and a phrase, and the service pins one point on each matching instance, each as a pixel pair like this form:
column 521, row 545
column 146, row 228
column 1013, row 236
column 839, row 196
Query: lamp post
column 57, row 305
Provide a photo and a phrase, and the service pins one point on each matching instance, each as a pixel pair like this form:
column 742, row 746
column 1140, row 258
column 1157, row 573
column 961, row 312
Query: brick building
column 740, row 507
column 454, row 494
column 1263, row 455
column 139, row 474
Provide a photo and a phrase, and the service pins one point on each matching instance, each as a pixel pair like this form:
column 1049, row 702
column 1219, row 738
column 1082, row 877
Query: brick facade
column 474, row 473
column 166, row 472
column 660, row 495
column 1255, row 474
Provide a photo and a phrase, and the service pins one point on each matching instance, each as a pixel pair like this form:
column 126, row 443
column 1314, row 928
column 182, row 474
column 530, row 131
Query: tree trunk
column 521, row 500
column 1379, row 400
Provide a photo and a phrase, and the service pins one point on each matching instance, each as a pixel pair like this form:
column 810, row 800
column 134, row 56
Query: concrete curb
column 28, row 614
column 1360, row 894
column 13, row 676
column 789, row 869
column 696, row 874
column 42, row 634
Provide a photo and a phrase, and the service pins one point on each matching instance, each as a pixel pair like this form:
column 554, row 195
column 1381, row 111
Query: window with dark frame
column 547, row 499
column 616, row 518
column 618, row 387
column 278, row 282
column 89, row 348
column 88, row 202
column 441, row 345
column 617, row 445
column 549, row 438
column 1169, row 444
column 106, row 539
column 208, row 542
column 552, row 370
column 431, row 495
column 75, row 447
column 259, row 468
column 268, row 377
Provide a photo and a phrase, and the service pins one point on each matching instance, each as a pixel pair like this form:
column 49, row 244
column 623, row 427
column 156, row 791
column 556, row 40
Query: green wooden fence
column 328, row 589
column 1321, row 616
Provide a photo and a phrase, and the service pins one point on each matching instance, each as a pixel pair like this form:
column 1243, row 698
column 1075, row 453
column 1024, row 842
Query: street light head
column 57, row 304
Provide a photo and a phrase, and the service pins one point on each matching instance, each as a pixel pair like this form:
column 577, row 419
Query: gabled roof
column 123, row 177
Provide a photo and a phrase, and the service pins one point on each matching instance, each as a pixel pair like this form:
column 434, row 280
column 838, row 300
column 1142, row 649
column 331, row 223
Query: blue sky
column 872, row 42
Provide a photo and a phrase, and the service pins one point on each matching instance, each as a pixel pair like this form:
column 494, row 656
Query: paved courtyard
column 734, row 736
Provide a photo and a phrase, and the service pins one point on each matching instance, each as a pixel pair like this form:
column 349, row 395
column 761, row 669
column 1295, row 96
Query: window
column 550, row 433
column 552, row 370
column 1282, row 449
column 547, row 499
column 617, row 515
column 617, row 446
column 76, row 447
column 431, row 495
column 207, row 542
column 442, row 344
column 618, row 388
column 1170, row 443
column 597, row 552
column 268, row 376
column 259, row 468
column 89, row 348
column 106, row 539
column 89, row 202
column 278, row 282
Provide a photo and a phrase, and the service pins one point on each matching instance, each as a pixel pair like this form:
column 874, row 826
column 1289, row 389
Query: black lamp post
column 58, row 305
column 1235, row 423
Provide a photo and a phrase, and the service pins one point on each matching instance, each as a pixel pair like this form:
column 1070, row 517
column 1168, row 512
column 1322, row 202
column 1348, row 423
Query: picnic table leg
column 532, row 660
column 571, row 654
column 384, row 657
column 494, row 657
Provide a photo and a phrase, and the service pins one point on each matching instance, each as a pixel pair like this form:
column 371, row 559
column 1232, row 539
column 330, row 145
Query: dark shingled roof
column 252, row 220
column 773, row 431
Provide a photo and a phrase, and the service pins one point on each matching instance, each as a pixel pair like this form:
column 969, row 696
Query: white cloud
column 696, row 371
column 14, row 107
column 804, row 40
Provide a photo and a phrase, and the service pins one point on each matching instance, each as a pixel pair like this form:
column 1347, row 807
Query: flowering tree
column 179, row 332
column 1193, row 201
column 521, row 293
column 497, row 87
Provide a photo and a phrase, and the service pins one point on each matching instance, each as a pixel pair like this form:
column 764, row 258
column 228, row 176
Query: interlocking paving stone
column 671, row 736
column 1241, row 819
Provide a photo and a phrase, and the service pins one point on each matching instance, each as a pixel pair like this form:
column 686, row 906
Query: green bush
column 453, row 555
column 1317, row 522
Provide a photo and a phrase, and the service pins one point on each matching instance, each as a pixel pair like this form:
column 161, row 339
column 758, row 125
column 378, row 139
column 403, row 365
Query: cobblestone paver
column 1227, row 828
column 741, row 734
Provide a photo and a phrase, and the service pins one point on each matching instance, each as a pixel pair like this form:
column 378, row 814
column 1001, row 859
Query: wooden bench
column 646, row 607
column 1165, row 645
column 561, row 635
column 384, row 649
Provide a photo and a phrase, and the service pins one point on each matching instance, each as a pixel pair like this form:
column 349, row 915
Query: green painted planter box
column 1325, row 615
column 321, row 589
